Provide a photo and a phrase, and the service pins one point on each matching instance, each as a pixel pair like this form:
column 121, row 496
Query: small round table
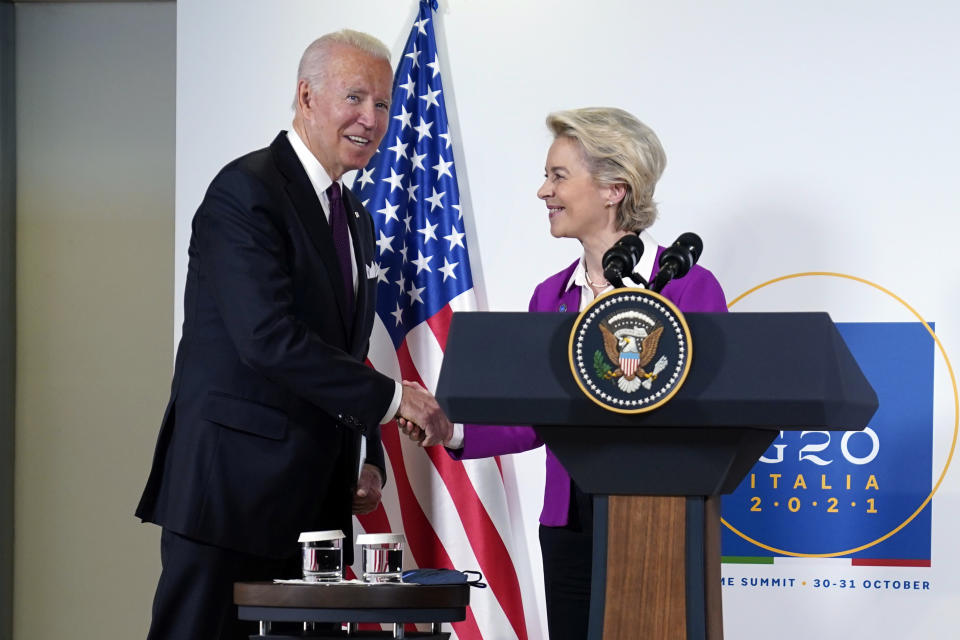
column 350, row 603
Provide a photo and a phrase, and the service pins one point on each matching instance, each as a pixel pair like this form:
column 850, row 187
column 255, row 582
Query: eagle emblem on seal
column 630, row 350
column 630, row 342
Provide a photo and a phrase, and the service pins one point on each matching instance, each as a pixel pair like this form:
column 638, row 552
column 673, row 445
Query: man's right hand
column 417, row 405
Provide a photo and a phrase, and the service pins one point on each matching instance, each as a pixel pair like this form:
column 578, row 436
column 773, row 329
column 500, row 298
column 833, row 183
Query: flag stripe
column 440, row 324
column 485, row 472
column 421, row 536
column 424, row 544
column 376, row 521
column 495, row 562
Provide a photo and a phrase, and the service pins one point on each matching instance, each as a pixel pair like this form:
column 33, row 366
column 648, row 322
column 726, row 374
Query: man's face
column 345, row 117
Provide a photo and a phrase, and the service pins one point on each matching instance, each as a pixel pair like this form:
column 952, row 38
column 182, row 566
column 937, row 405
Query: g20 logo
column 861, row 494
column 808, row 452
column 817, row 489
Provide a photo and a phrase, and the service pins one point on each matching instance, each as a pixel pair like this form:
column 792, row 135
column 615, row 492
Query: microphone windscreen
column 626, row 251
column 633, row 242
column 692, row 243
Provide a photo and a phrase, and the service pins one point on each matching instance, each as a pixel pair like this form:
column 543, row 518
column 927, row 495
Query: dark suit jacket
column 270, row 392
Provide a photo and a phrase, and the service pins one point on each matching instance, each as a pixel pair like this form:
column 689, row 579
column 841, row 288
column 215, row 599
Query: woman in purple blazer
column 601, row 171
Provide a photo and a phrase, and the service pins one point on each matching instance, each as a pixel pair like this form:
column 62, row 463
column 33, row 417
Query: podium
column 657, row 477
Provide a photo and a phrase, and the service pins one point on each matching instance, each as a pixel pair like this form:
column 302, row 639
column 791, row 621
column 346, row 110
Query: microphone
column 677, row 259
column 621, row 258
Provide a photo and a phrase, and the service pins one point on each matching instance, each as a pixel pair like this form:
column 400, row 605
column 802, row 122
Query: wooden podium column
column 651, row 568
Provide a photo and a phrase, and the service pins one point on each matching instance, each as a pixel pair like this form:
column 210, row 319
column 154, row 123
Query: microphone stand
column 659, row 283
column 613, row 277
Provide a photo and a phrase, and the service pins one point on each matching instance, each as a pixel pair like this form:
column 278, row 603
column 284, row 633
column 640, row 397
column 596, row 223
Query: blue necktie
column 341, row 242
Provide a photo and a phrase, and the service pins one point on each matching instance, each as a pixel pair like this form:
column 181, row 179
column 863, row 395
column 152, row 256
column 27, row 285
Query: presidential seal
column 630, row 350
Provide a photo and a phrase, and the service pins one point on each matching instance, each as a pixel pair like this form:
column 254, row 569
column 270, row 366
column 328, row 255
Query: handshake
column 421, row 418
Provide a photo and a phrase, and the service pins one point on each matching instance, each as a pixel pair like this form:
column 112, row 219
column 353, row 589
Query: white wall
column 816, row 136
column 835, row 122
column 95, row 152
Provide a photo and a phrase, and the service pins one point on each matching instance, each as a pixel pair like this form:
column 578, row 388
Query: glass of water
column 381, row 556
column 322, row 555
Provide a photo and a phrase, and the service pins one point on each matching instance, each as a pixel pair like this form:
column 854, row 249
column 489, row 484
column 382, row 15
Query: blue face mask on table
column 443, row 576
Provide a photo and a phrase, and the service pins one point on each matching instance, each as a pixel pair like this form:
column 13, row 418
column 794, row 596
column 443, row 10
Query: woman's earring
column 609, row 204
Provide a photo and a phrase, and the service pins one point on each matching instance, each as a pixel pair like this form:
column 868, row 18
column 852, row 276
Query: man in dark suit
column 270, row 396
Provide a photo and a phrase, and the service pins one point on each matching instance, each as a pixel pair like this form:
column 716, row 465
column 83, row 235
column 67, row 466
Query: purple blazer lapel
column 569, row 301
column 555, row 296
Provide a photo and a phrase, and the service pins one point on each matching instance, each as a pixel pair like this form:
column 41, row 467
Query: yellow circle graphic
column 956, row 414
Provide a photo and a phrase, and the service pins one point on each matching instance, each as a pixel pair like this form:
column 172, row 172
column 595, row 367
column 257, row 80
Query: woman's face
column 575, row 202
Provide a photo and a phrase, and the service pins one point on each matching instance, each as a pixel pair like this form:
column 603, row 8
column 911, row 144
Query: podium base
column 656, row 568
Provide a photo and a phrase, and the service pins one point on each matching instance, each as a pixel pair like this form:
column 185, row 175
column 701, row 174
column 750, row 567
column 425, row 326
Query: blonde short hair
column 315, row 59
column 617, row 149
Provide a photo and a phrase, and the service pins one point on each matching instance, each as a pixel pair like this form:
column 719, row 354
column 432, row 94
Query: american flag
column 454, row 514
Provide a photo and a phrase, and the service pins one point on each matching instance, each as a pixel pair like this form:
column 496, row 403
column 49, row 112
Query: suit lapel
column 311, row 215
column 361, row 230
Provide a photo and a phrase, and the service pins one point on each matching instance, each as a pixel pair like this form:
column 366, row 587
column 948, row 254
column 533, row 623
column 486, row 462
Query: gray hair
column 315, row 59
column 617, row 149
